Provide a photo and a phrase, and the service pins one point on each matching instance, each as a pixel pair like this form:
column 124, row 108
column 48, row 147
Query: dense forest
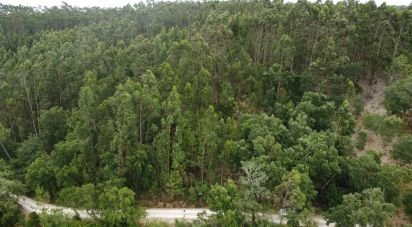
column 245, row 107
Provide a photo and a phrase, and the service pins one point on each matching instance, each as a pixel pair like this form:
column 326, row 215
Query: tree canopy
column 245, row 106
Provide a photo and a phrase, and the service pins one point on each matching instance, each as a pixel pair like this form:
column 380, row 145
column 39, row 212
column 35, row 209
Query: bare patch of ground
column 373, row 94
column 377, row 144
column 400, row 219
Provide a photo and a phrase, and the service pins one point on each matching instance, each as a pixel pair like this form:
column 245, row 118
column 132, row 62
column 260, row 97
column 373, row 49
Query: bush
column 386, row 126
column 362, row 138
column 198, row 193
column 403, row 149
column 33, row 220
column 407, row 202
column 57, row 218
column 398, row 96
column 358, row 105
column 9, row 212
column 156, row 224
column 42, row 195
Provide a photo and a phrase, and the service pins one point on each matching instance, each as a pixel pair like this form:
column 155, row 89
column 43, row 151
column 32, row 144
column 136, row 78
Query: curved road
column 163, row 214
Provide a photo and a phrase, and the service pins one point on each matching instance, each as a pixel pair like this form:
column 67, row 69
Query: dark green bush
column 33, row 220
column 403, row 149
column 358, row 104
column 362, row 138
column 9, row 212
column 407, row 202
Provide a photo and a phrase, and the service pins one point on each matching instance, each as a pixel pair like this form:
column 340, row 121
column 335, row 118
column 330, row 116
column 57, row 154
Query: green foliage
column 33, row 220
column 157, row 224
column 361, row 140
column 368, row 207
column 9, row 209
column 171, row 98
column 57, row 218
column 28, row 151
column 358, row 104
column 317, row 152
column 118, row 207
column 8, row 182
column 256, row 193
column 402, row 150
column 40, row 176
column 407, row 202
column 398, row 96
column 81, row 197
column 41, row 194
column 319, row 110
column 263, row 134
column 222, row 198
column 388, row 127
column 399, row 69
column 225, row 201
column 9, row 212
column 53, row 126
column 366, row 172
column 344, row 121
column 174, row 185
column 294, row 194
column 353, row 71
column 4, row 135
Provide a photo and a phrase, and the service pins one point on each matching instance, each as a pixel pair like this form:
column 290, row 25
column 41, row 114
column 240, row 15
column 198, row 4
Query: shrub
column 9, row 212
column 386, row 126
column 42, row 195
column 33, row 220
column 398, row 96
column 198, row 193
column 403, row 149
column 362, row 138
column 358, row 105
column 407, row 202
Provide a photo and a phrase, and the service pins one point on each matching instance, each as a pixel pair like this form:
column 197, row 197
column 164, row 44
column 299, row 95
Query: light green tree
column 256, row 193
column 118, row 207
column 40, row 176
column 225, row 201
column 367, row 208
column 294, row 194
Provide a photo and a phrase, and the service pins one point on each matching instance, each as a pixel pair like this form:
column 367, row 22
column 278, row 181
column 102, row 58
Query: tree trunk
column 380, row 44
column 140, row 123
column 253, row 218
column 26, row 89
column 168, row 151
column 397, row 42
column 5, row 151
column 314, row 43
column 202, row 171
column 278, row 90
